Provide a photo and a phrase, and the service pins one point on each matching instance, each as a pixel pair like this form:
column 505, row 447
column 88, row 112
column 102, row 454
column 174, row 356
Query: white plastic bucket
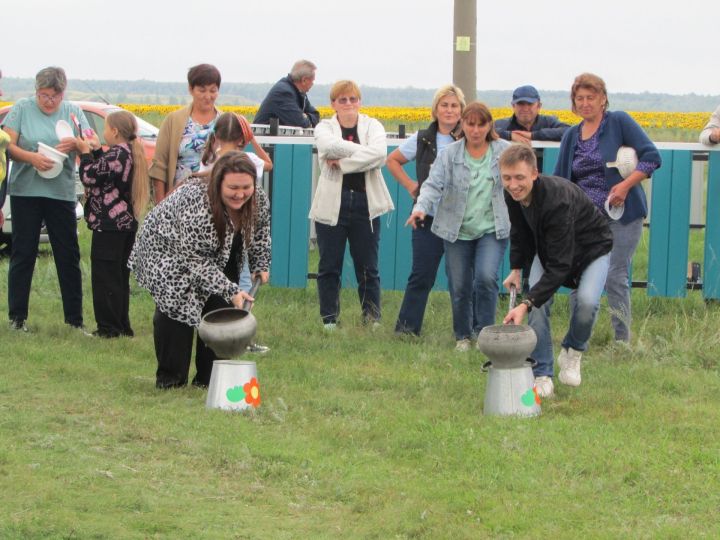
column 233, row 386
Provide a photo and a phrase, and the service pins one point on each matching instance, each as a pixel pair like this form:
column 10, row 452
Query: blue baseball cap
column 527, row 93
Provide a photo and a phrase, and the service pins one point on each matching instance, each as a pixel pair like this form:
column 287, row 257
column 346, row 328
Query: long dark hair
column 232, row 162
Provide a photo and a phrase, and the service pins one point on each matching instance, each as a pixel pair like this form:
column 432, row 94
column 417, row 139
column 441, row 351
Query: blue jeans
column 427, row 252
column 472, row 268
column 354, row 228
column 245, row 281
column 625, row 240
column 584, row 305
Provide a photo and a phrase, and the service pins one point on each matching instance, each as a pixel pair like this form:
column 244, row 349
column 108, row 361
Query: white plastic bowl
column 57, row 156
column 626, row 161
column 615, row 212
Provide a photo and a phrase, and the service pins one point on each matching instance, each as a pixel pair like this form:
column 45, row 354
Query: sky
column 634, row 45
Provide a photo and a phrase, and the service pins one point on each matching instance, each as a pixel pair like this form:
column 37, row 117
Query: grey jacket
column 449, row 182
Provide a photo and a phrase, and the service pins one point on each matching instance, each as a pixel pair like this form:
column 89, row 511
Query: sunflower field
column 680, row 125
column 694, row 121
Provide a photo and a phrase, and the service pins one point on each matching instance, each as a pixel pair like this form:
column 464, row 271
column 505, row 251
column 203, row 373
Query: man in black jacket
column 287, row 100
column 556, row 228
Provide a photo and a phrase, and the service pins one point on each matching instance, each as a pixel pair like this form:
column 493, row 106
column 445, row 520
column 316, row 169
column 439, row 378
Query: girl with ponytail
column 118, row 192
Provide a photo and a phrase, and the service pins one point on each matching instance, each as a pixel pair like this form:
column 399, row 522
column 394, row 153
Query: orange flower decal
column 252, row 392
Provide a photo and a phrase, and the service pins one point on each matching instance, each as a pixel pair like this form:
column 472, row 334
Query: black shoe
column 18, row 325
column 105, row 335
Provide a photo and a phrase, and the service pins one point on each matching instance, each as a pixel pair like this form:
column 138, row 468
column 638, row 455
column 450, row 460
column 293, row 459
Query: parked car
column 95, row 114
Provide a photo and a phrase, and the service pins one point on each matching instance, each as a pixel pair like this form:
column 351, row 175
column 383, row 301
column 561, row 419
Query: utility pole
column 465, row 47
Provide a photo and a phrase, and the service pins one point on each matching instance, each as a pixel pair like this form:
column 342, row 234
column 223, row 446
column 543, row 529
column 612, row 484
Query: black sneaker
column 18, row 325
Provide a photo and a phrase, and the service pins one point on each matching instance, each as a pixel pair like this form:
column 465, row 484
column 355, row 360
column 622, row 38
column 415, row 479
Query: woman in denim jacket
column 471, row 218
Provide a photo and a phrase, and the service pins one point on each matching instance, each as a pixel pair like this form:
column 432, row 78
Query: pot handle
column 513, row 296
column 252, row 292
column 486, row 365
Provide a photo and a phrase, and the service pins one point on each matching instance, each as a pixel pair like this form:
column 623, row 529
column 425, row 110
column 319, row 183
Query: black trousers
column 174, row 340
column 110, row 276
column 28, row 214
column 173, row 349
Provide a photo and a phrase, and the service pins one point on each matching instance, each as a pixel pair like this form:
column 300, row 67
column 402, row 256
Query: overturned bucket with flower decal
column 233, row 386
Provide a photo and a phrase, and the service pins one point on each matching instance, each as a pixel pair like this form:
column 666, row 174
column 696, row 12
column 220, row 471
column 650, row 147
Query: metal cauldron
column 510, row 389
column 228, row 331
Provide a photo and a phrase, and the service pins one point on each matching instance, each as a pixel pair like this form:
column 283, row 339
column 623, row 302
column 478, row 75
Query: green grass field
column 359, row 435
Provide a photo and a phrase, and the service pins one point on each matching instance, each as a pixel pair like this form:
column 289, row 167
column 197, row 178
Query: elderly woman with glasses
column 350, row 198
column 34, row 198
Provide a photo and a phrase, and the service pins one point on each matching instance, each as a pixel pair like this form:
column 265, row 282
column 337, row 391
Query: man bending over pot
column 557, row 230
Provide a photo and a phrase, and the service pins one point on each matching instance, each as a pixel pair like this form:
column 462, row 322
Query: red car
column 95, row 114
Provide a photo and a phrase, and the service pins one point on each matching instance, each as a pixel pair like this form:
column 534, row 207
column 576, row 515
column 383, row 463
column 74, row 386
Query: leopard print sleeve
column 260, row 248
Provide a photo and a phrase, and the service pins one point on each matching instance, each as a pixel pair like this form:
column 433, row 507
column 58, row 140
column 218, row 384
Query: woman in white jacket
column 351, row 195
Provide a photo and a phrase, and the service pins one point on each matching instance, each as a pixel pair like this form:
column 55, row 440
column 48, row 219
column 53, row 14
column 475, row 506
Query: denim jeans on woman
column 354, row 228
column 472, row 268
column 427, row 252
column 584, row 305
column 625, row 240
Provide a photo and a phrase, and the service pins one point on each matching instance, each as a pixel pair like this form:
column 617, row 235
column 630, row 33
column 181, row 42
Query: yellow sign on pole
column 462, row 43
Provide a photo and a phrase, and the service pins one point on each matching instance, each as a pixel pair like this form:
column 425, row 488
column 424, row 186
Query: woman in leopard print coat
column 187, row 254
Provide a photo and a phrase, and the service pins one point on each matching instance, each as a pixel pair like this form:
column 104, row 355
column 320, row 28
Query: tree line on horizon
column 158, row 92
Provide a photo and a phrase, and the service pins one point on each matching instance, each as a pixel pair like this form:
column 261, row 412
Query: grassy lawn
column 360, row 434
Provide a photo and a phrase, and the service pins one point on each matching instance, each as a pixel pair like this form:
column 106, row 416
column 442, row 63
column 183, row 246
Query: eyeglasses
column 49, row 99
column 345, row 100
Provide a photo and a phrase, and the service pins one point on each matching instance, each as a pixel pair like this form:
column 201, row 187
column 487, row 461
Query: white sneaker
column 329, row 327
column 569, row 362
column 256, row 348
column 544, row 386
column 463, row 345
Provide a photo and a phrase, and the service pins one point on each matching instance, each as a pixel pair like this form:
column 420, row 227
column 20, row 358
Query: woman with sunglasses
column 34, row 198
column 351, row 196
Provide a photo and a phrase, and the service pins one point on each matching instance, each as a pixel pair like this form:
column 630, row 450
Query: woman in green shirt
column 471, row 218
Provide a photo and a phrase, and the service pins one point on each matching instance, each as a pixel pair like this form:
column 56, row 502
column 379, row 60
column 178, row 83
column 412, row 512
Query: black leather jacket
column 563, row 227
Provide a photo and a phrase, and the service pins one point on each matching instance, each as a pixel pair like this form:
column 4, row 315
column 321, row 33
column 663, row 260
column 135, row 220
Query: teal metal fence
column 668, row 230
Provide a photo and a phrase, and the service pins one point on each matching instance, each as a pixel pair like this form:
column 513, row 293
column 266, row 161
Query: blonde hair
column 126, row 125
column 443, row 91
column 344, row 87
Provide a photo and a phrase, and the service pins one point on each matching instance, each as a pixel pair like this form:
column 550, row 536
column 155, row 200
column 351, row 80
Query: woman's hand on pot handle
column 264, row 277
column 239, row 299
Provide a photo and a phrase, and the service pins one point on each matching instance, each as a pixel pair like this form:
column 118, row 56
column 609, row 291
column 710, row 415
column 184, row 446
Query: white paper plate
column 615, row 212
column 63, row 130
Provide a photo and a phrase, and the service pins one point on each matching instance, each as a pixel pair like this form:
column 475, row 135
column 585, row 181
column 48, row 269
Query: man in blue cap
column 527, row 124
